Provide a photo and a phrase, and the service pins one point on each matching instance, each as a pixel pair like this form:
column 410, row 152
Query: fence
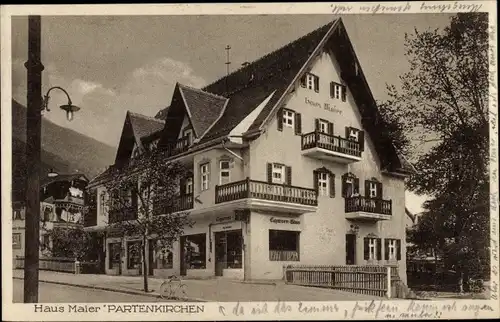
column 369, row 280
column 58, row 264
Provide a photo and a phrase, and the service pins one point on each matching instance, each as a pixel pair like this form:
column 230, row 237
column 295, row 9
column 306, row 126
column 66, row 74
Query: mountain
column 63, row 150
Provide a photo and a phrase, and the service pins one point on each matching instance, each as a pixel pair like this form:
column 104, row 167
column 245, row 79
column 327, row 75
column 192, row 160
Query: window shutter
column 367, row 189
column 366, row 248
column 303, row 80
column 315, row 180
column 344, row 93
column 379, row 190
column 386, row 249
column 398, row 249
column 356, row 185
column 361, row 139
column 280, row 119
column 379, row 248
column 298, row 124
column 269, row 172
column 288, row 175
column 332, row 185
column 344, row 186
column 330, row 128
column 316, row 84
column 332, row 89
column 347, row 132
column 316, row 125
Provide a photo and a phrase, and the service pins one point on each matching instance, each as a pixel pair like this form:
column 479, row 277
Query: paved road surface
column 54, row 293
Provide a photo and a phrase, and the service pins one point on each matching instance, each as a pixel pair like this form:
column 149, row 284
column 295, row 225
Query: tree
column 71, row 242
column 144, row 197
column 442, row 108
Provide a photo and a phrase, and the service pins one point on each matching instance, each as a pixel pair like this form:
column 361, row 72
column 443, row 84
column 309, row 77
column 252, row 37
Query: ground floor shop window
column 134, row 255
column 114, row 255
column 195, row 251
column 283, row 245
column 163, row 257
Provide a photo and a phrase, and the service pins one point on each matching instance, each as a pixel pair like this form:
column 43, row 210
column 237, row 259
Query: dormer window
column 310, row 81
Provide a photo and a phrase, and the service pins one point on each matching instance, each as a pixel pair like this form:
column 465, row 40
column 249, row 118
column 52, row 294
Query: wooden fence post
column 388, row 282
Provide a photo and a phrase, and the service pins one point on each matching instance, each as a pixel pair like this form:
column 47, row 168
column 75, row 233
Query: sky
column 113, row 64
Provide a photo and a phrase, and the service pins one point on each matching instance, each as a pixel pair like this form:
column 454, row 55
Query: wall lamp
column 69, row 108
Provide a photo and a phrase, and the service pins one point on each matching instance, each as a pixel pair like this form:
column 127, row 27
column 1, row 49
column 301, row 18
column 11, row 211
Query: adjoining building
column 61, row 205
column 289, row 164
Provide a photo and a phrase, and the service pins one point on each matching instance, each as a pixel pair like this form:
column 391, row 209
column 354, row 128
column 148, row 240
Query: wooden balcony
column 118, row 215
column 368, row 209
column 178, row 147
column 330, row 147
column 261, row 195
column 177, row 204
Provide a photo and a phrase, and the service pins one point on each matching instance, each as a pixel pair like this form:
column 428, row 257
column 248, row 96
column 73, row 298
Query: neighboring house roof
column 409, row 214
column 62, row 177
column 278, row 71
column 202, row 107
column 144, row 125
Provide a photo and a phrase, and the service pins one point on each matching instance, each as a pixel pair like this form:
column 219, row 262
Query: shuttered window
column 372, row 248
column 310, row 81
column 392, row 249
column 279, row 173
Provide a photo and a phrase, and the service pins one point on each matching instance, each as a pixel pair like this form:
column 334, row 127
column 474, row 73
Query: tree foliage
column 443, row 104
column 144, row 199
column 71, row 242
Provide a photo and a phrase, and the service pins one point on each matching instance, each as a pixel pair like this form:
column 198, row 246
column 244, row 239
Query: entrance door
column 183, row 268
column 220, row 253
column 350, row 249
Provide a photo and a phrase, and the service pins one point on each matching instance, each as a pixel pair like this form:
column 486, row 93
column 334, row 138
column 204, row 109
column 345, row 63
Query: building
column 290, row 164
column 61, row 205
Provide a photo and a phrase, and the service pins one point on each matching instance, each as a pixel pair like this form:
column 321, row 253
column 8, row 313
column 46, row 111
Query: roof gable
column 203, row 108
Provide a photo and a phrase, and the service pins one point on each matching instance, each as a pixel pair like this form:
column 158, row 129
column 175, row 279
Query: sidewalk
column 220, row 290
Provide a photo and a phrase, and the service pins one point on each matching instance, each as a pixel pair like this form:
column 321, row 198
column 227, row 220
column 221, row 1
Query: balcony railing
column 178, row 147
column 263, row 190
column 180, row 203
column 118, row 215
column 331, row 143
column 371, row 205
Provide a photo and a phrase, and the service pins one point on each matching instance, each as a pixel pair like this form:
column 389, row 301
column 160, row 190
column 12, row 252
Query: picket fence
column 379, row 281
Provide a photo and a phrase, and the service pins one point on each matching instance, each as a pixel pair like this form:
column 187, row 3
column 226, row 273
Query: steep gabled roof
column 144, row 125
column 278, row 71
column 202, row 107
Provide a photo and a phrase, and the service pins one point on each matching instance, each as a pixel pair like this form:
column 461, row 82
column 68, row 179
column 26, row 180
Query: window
column 372, row 248
column 278, row 174
column 353, row 135
column 16, row 240
column 47, row 212
column 323, row 184
column 392, row 249
column 114, row 255
column 288, row 118
column 283, row 245
column 195, row 249
column 338, row 91
column 373, row 189
column 17, row 214
column 310, row 81
column 45, row 242
column 189, row 185
column 134, row 255
column 102, row 203
column 323, row 126
column 350, row 186
column 163, row 257
column 225, row 172
column 204, row 173
column 188, row 134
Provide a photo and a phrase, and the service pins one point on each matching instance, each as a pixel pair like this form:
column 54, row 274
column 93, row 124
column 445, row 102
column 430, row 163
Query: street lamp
column 35, row 105
column 69, row 108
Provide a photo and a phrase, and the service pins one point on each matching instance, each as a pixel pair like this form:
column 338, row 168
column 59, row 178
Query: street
column 54, row 293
